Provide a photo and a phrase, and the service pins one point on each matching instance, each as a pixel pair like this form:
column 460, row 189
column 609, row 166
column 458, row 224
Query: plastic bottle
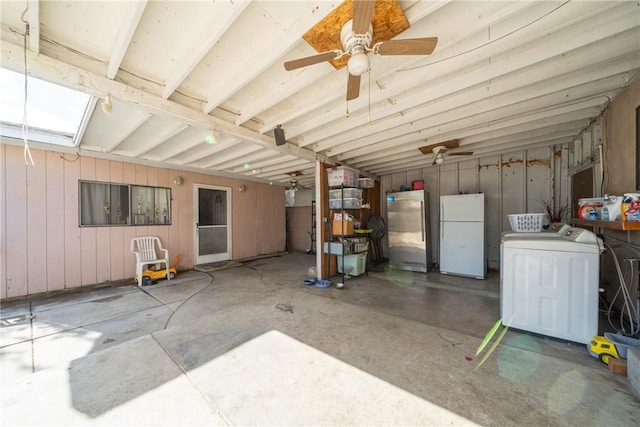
column 605, row 210
column 312, row 273
column 611, row 208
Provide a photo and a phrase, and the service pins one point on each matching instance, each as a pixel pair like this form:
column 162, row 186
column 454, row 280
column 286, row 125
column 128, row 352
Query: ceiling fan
column 293, row 184
column 441, row 148
column 356, row 36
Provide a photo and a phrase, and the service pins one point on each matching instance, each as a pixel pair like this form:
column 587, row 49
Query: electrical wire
column 67, row 160
column 25, row 127
column 489, row 42
column 629, row 321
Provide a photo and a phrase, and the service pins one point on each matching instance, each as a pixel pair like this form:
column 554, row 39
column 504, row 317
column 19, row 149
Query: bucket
column 622, row 343
column 590, row 208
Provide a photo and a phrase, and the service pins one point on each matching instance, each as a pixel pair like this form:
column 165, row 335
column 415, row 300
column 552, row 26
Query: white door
column 462, row 207
column 213, row 223
column 462, row 249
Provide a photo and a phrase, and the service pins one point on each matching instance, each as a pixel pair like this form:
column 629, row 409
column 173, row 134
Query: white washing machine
column 549, row 282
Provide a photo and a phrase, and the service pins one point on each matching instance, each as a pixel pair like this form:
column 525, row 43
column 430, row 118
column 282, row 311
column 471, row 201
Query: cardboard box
column 618, row 366
column 338, row 230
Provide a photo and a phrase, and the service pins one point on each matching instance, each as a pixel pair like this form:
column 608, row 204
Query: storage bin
column 366, row 183
column 336, row 248
column 342, row 175
column 345, row 203
column 418, row 184
column 355, row 264
column 360, row 247
column 346, row 193
column 345, row 248
column 622, row 343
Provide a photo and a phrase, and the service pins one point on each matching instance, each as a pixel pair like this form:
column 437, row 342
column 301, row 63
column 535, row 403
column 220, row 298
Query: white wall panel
column 513, row 183
column 489, row 184
column 513, row 186
column 448, row 179
column 538, row 179
column 468, row 176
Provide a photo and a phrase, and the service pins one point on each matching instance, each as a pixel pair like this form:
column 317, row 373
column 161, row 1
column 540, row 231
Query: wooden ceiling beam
column 416, row 12
column 565, row 40
column 160, row 137
column 61, row 73
column 267, row 56
column 33, row 18
column 134, row 12
column 228, row 14
column 509, row 99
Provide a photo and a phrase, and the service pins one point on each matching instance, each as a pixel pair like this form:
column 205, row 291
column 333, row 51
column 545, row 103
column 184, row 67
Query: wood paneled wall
column 43, row 248
column 514, row 182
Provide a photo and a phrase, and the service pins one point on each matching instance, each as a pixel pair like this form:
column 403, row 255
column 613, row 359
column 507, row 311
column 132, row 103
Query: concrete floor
column 252, row 345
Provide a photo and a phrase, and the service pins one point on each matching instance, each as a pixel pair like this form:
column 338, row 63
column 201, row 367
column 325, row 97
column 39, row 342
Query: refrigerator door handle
column 422, row 218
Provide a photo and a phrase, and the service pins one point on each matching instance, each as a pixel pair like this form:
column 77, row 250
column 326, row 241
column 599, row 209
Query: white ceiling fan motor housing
column 439, row 150
column 349, row 39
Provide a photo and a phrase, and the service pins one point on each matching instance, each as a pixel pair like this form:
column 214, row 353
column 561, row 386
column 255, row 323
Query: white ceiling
column 504, row 76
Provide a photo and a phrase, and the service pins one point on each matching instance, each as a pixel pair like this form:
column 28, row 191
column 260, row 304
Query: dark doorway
column 581, row 187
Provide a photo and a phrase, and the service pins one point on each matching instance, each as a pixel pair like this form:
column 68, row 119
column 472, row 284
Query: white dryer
column 549, row 283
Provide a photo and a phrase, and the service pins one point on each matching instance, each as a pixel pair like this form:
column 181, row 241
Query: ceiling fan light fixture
column 439, row 160
column 358, row 63
column 211, row 138
column 106, row 104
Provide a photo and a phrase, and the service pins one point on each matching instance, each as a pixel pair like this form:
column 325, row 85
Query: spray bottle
column 611, row 208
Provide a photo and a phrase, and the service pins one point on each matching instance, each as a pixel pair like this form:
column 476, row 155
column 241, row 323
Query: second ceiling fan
column 356, row 36
column 439, row 149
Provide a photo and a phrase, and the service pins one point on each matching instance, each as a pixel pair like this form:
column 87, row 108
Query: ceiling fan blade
column 362, row 14
column 424, row 46
column 310, row 60
column 353, row 87
column 428, row 149
column 462, row 153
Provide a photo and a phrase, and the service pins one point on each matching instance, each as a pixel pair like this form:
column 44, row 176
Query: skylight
column 54, row 113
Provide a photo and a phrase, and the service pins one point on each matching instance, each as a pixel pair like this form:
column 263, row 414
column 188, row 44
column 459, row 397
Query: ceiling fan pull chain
column 369, row 75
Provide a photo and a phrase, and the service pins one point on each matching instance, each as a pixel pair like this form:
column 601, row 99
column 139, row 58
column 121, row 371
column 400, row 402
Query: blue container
column 323, row 283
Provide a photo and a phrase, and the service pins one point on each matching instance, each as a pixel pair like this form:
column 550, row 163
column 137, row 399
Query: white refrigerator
column 462, row 235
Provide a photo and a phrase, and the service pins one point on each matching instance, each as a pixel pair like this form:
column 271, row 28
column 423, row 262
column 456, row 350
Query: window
column 54, row 113
column 106, row 204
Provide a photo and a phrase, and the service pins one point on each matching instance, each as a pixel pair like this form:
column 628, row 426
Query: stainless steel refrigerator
column 408, row 230
column 462, row 235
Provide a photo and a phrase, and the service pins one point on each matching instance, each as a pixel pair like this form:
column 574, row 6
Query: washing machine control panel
column 558, row 227
column 579, row 235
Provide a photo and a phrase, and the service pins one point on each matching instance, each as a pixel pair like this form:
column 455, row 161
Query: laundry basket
column 527, row 223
